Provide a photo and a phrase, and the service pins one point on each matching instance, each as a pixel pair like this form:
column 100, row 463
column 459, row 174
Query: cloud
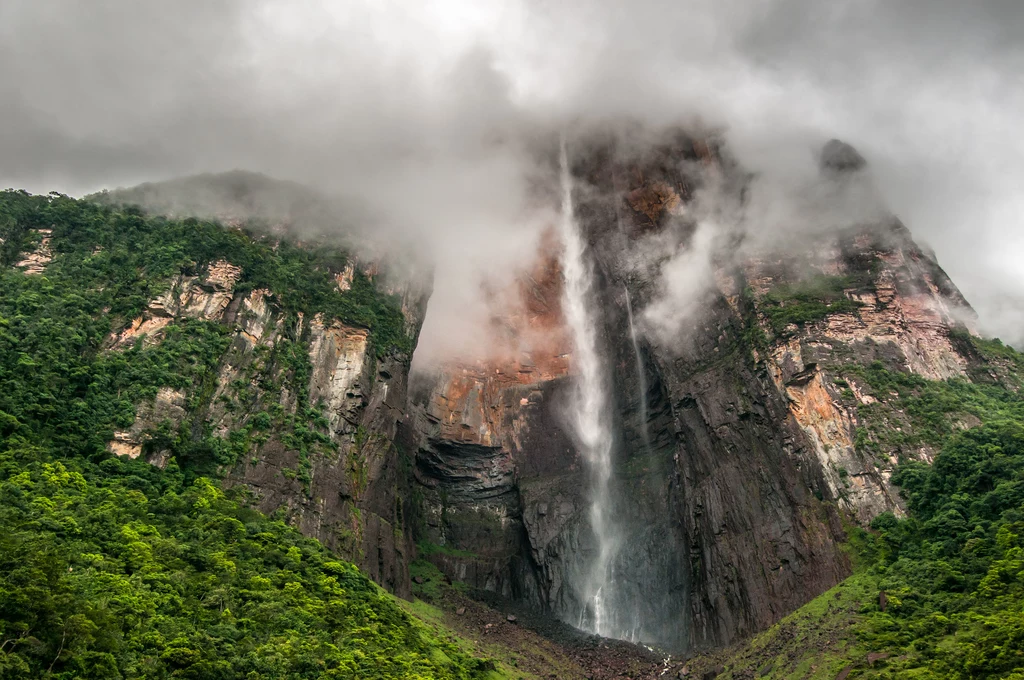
column 429, row 116
column 685, row 279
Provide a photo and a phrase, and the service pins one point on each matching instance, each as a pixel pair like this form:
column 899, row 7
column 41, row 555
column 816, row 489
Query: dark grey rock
column 840, row 157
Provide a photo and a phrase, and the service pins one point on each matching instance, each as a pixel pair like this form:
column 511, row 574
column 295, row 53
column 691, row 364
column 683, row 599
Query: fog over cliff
column 427, row 121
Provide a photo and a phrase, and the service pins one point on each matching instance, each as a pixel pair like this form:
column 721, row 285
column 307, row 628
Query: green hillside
column 113, row 568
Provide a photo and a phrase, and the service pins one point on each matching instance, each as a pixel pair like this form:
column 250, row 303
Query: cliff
column 746, row 442
column 744, row 445
column 290, row 390
column 339, row 480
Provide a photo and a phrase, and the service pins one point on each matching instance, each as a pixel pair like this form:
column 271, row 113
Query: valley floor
column 526, row 645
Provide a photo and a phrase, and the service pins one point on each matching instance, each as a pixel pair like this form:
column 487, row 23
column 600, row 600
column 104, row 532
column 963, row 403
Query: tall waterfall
column 591, row 417
column 641, row 376
column 617, row 578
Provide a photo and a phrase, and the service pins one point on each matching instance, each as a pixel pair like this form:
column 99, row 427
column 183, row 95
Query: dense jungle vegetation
column 112, row 568
column 953, row 570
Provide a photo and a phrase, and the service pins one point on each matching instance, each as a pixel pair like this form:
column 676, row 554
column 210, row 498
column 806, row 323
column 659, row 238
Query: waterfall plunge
column 623, row 579
column 590, row 418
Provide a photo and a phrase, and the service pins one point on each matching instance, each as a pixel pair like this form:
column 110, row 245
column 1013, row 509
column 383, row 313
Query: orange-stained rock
column 141, row 326
column 122, row 445
column 862, row 486
column 205, row 298
column 470, row 401
column 222, row 275
column 653, row 201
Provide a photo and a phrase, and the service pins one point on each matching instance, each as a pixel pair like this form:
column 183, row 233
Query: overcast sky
column 418, row 106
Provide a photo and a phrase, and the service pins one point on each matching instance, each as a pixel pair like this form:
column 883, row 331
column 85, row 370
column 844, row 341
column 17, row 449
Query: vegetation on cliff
column 809, row 300
column 108, row 265
column 953, row 571
column 113, row 568
column 928, row 411
column 118, row 259
column 938, row 593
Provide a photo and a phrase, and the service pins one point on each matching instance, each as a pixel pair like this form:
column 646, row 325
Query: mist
column 429, row 121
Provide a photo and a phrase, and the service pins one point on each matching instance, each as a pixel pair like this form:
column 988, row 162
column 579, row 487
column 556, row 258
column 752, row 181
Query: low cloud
column 427, row 121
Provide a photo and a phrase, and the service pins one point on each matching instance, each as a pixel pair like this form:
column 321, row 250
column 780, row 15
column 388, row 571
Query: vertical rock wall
column 345, row 493
column 736, row 466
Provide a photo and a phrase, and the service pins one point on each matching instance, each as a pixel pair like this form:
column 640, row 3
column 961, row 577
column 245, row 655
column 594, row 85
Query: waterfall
column 590, row 415
column 619, row 580
column 641, row 376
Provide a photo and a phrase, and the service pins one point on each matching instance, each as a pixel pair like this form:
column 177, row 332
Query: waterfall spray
column 589, row 412
column 641, row 377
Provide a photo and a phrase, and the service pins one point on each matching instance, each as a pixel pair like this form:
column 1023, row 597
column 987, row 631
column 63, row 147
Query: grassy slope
column 817, row 641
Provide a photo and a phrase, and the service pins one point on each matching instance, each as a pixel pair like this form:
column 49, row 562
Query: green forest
column 953, row 571
column 113, row 568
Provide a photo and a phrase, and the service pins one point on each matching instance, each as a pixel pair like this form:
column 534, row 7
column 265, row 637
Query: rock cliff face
column 904, row 308
column 737, row 458
column 340, row 483
column 35, row 260
column 475, row 423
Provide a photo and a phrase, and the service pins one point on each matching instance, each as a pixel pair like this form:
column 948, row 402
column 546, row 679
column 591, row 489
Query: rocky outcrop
column 904, row 311
column 167, row 406
column 476, row 423
column 344, row 278
column 902, row 297
column 338, row 479
column 838, row 157
column 337, row 354
column 35, row 261
column 195, row 297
